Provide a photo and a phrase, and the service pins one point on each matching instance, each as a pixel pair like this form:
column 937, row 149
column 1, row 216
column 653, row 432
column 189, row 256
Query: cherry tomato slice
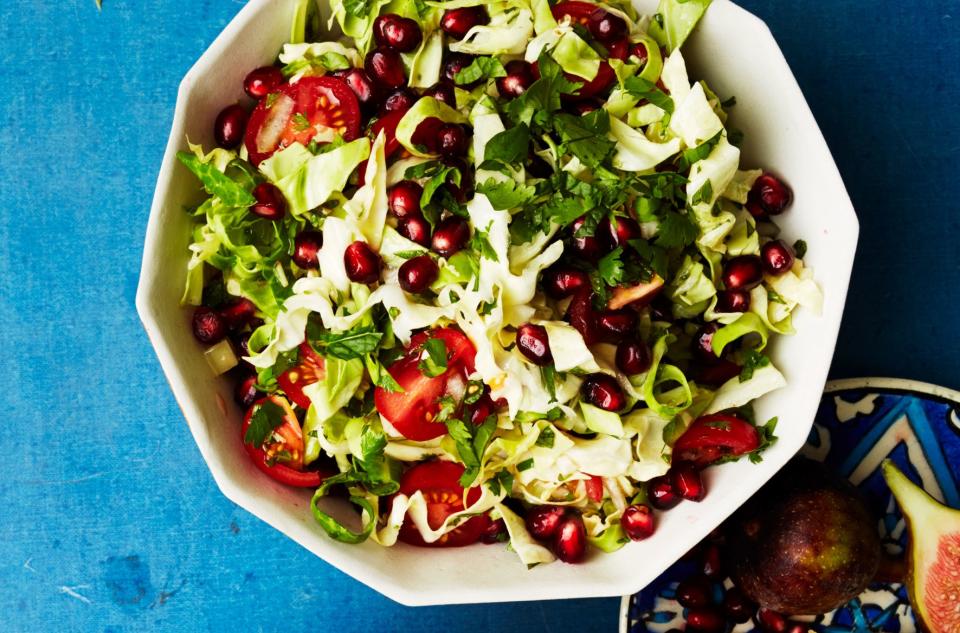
column 311, row 369
column 439, row 482
column 714, row 437
column 296, row 113
column 288, row 438
column 412, row 410
column 594, row 488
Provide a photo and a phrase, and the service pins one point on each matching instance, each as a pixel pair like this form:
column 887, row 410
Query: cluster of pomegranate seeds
column 533, row 343
column 562, row 527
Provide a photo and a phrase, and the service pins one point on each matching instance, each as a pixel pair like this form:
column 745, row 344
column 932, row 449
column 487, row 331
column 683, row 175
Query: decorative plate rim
column 901, row 385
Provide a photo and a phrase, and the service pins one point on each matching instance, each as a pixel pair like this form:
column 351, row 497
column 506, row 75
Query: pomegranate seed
column 570, row 542
column 533, row 343
column 242, row 342
column 712, row 562
column 744, row 272
column 633, row 357
column 208, row 326
column 718, row 373
column 622, row 230
column 769, row 196
column 543, row 521
column 582, row 315
column 777, row 258
column 456, row 22
column 246, row 392
column 518, row 78
column 733, row 301
column 239, row 313
column 637, row 522
column 616, row 324
column 797, row 627
column 403, row 199
column 737, row 606
column 589, row 247
column 454, row 63
column 661, row 309
column 427, row 134
column 442, row 92
column 561, row 283
column 771, row 621
column 466, row 178
column 398, row 101
column 619, row 49
column 361, row 263
column 603, row 391
column 606, row 27
column 415, row 229
column 482, row 409
column 306, row 247
column 385, row 66
column 416, row 274
column 495, row 532
column 396, row 32
column 270, row 203
column 452, row 140
column 687, row 482
column 695, row 592
column 639, row 51
column 703, row 343
column 262, row 81
column 363, row 87
column 450, row 236
column 230, row 126
column 706, row 620
column 661, row 494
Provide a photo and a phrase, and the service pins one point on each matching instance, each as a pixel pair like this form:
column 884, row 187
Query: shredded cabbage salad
column 493, row 268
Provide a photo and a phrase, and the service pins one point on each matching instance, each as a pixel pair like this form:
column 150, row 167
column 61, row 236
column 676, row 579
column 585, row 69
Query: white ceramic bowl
column 736, row 53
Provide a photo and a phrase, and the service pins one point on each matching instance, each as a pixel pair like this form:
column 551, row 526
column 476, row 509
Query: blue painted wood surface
column 110, row 519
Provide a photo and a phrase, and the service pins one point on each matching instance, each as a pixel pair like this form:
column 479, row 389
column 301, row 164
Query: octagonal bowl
column 736, row 53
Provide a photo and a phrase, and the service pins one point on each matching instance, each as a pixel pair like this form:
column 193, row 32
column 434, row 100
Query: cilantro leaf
column 471, row 442
column 586, row 136
column 300, row 122
column 351, row 344
column 507, row 194
column 610, row 267
column 434, row 361
column 264, row 420
column 480, row 68
column 676, row 230
column 216, row 183
column 480, row 242
column 441, row 177
column 543, row 96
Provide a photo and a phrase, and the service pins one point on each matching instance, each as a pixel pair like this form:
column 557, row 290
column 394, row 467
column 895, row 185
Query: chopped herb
column 506, row 194
column 480, row 68
column 546, row 437
column 351, row 344
column 753, row 360
column 676, row 230
column 300, row 122
column 387, row 382
column 410, row 254
column 264, row 420
column 434, row 361
column 729, row 103
column 643, row 89
column 526, row 464
column 480, row 242
column 800, row 248
column 507, row 148
column 549, row 375
column 586, row 136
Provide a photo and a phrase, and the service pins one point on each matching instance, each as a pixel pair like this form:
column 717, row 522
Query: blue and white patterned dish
column 860, row 423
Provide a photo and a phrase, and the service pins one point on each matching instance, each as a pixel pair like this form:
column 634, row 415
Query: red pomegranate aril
column 718, row 373
column 661, row 494
column 771, row 621
column 397, row 32
column 570, row 541
column 361, row 263
column 416, row 229
column 518, row 78
column 703, row 343
column 737, row 606
column 239, row 313
column 706, row 620
column 454, row 63
column 230, row 126
column 452, row 140
column 637, row 522
column 495, row 532
column 590, row 247
column 246, row 392
column 363, row 87
column 797, row 627
column 403, row 199
column 457, row 22
column 385, row 67
column 687, row 482
column 306, row 249
column 743, row 272
column 443, row 93
column 603, row 391
column 733, row 301
column 695, row 592
column 614, row 325
column 398, row 101
column 533, row 343
column 769, row 196
column 482, row 409
column 639, row 51
column 416, row 274
column 619, row 50
column 561, row 283
column 633, row 357
column 622, row 230
column 427, row 134
column 777, row 258
column 606, row 27
column 582, row 316
column 712, row 562
column 543, row 521
column 450, row 236
column 208, row 326
column 270, row 203
column 262, row 81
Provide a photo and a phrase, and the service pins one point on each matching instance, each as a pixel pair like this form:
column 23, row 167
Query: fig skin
column 806, row 543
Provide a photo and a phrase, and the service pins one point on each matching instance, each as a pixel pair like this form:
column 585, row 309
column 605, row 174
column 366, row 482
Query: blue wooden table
column 110, row 519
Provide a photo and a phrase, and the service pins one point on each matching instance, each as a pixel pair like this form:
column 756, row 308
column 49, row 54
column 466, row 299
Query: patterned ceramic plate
column 860, row 423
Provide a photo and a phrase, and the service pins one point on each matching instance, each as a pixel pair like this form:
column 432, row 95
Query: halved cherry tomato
column 594, row 488
column 298, row 112
column 439, row 482
column 311, row 369
column 412, row 410
column 714, row 437
column 286, row 441
column 388, row 124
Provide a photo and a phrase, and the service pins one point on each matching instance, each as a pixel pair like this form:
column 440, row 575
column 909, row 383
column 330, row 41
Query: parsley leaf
column 507, row 148
column 548, row 373
column 703, row 194
column 643, row 89
column 386, row 382
column 507, row 194
column 753, row 360
column 586, row 136
column 471, row 442
column 698, row 153
column 351, row 344
column 543, row 96
column 358, row 8
column 480, row 242
column 546, row 437
column 300, row 122
column 434, row 361
column 676, row 230
column 480, row 68
column 264, row 420
column 610, row 267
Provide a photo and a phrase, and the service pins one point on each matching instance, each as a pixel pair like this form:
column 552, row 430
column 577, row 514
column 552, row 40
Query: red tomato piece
column 388, row 125
column 594, row 488
column 412, row 410
column 311, row 369
column 439, row 482
column 295, row 113
column 714, row 437
column 286, row 438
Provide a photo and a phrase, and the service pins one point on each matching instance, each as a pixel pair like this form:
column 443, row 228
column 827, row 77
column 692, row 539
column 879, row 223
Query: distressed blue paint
column 99, row 464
